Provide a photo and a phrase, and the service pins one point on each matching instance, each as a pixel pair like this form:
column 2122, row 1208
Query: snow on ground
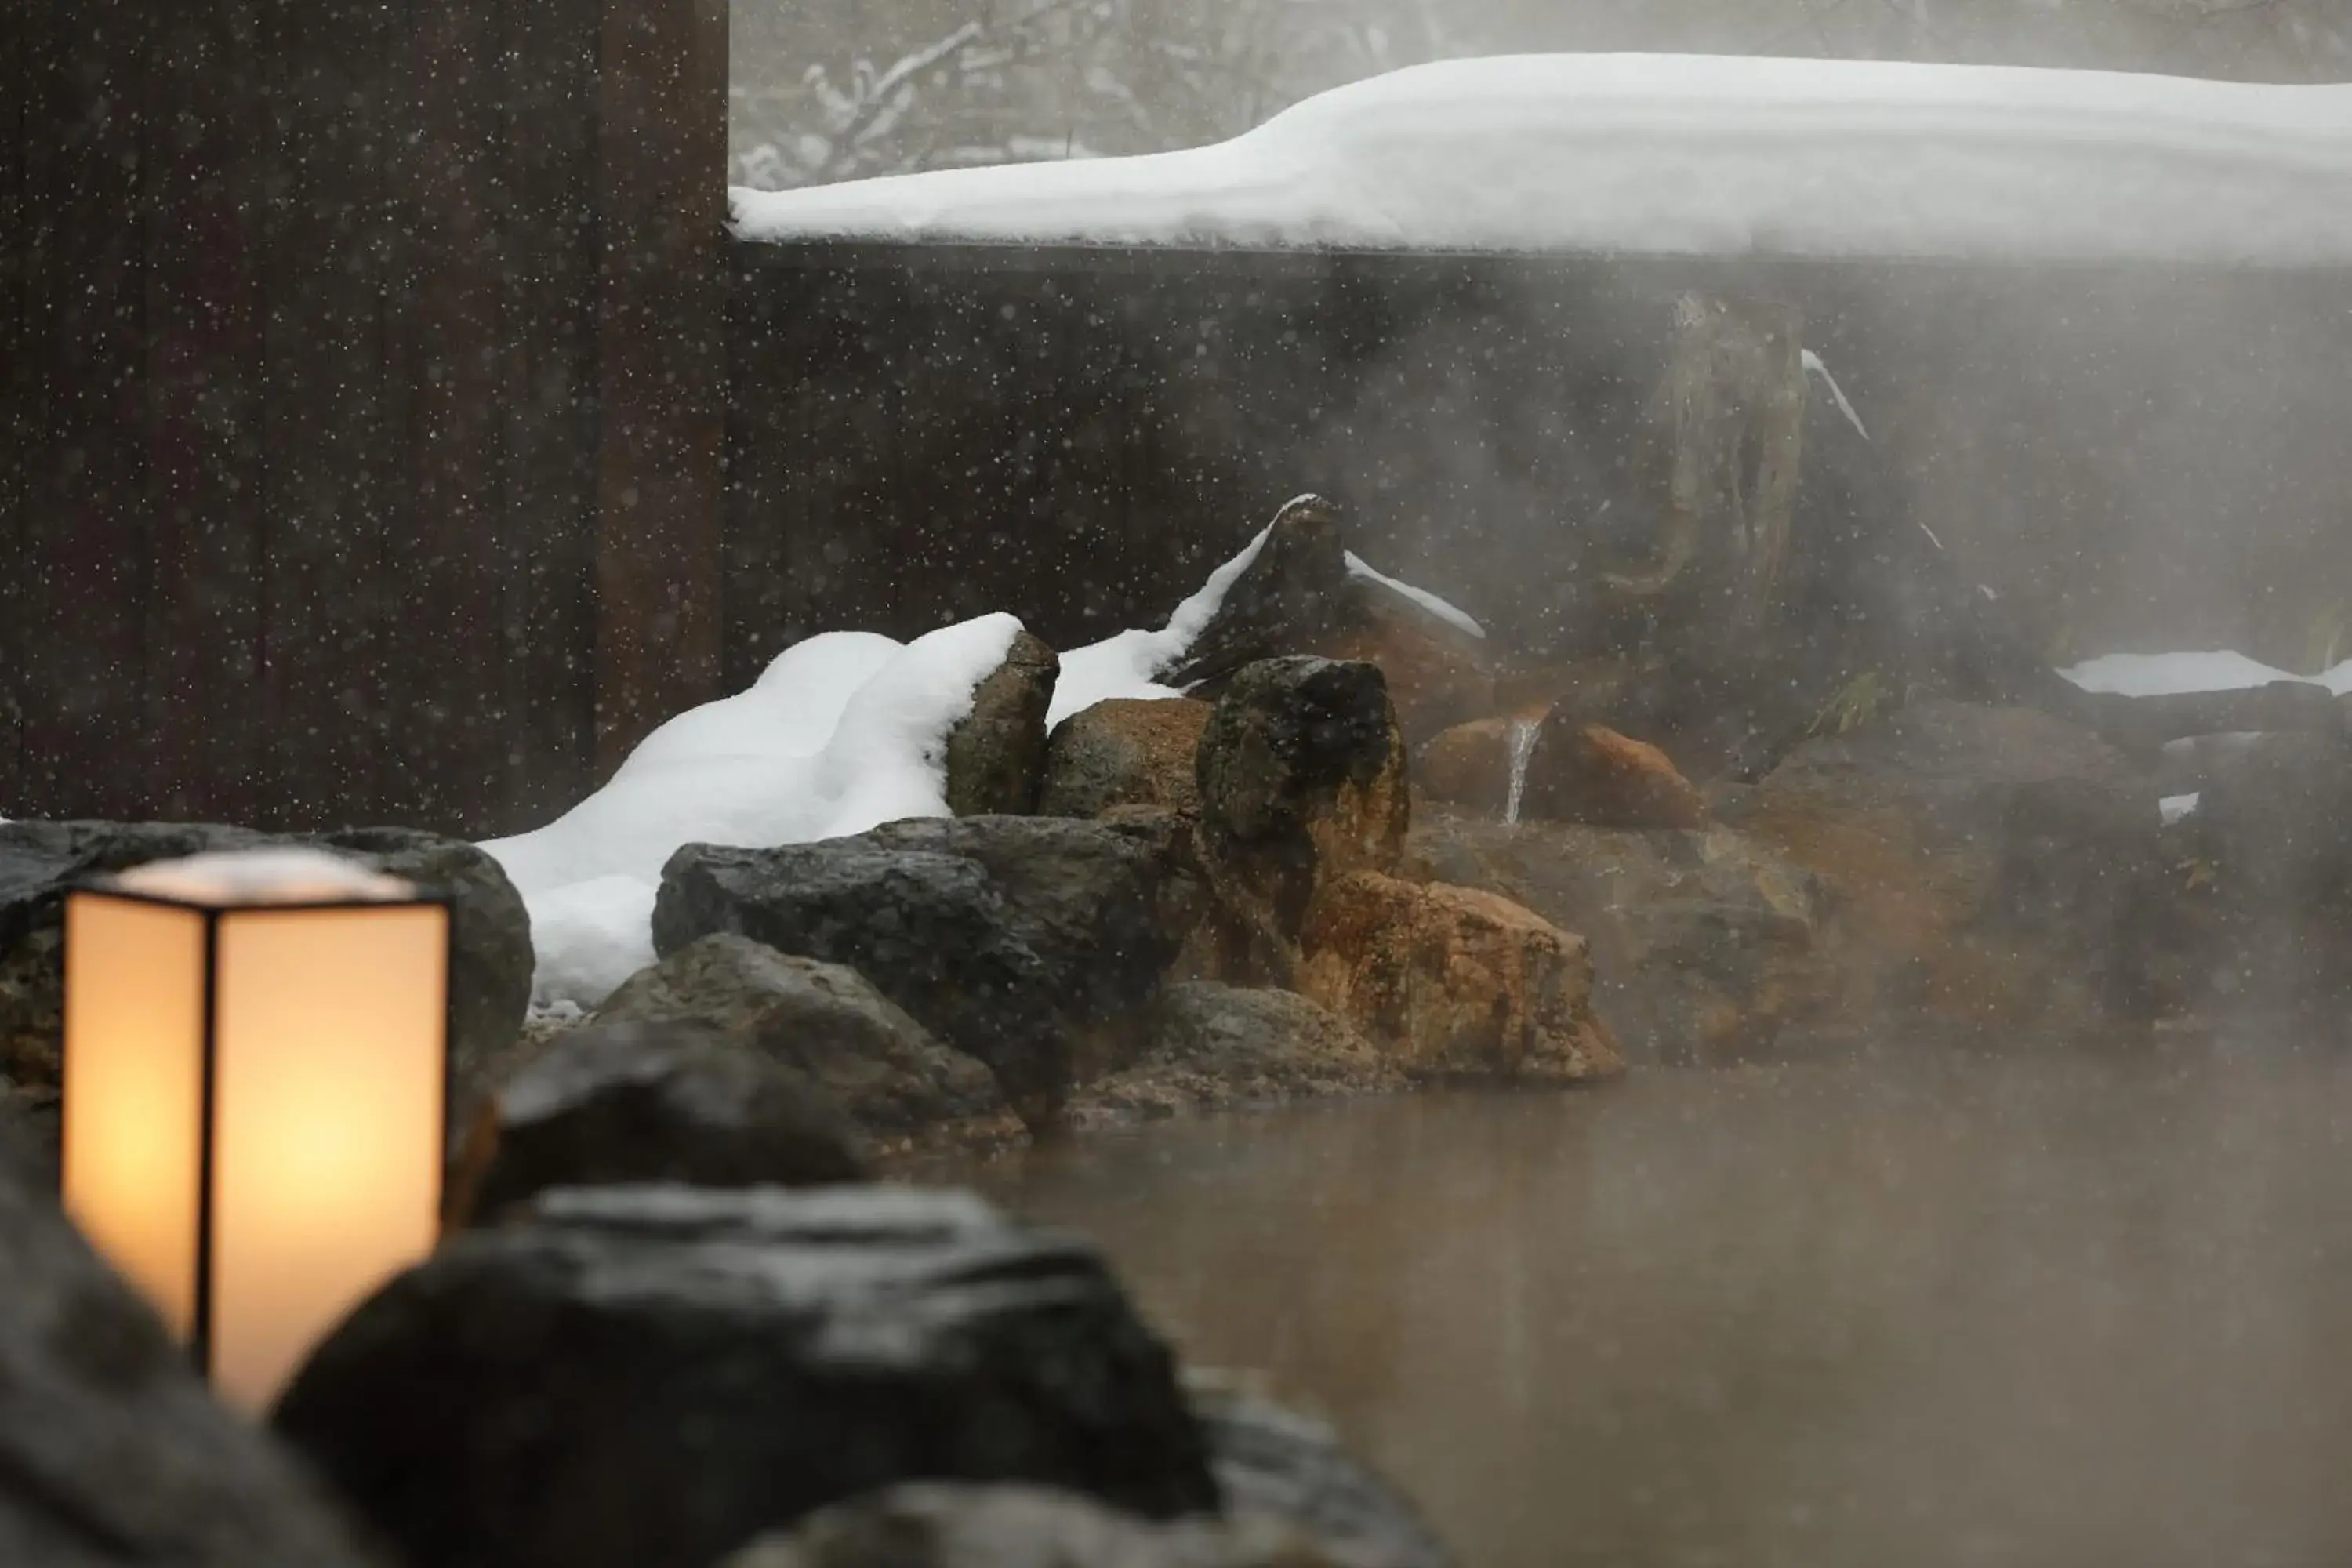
column 2172, row 809
column 1422, row 596
column 2168, row 674
column 842, row 733
column 1686, row 154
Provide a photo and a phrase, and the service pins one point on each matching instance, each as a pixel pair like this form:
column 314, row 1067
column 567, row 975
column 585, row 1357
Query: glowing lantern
column 254, row 1076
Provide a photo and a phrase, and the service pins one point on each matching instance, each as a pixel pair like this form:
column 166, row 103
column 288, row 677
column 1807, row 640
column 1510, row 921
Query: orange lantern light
column 255, row 1077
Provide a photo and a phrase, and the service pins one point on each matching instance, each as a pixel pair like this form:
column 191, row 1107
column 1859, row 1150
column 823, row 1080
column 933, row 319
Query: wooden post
column 662, row 365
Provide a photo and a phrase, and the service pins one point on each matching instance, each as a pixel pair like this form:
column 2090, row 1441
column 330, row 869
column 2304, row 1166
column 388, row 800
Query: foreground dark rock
column 1125, row 751
column 947, row 1526
column 1274, row 1463
column 1302, row 772
column 1213, row 1046
column 616, row 1103
column 1995, row 868
column 491, row 971
column 1703, row 944
column 996, row 753
column 110, row 1450
column 825, row 1021
column 650, row 1377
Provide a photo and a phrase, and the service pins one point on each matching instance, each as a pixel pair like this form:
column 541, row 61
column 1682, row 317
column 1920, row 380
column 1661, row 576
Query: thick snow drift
column 1687, row 154
column 842, row 733
column 2169, row 673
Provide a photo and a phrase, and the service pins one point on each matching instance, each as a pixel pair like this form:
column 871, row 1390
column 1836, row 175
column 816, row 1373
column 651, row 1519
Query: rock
column 1593, row 776
column 930, row 930
column 2271, row 835
column 1101, row 903
column 996, row 753
column 612, row 1104
column 1274, row 1463
column 1216, row 1046
column 1125, row 751
column 649, row 1377
column 825, row 1021
column 1703, row 944
column 1455, row 984
column 1468, row 765
column 490, row 965
column 941, row 1525
column 1302, row 780
column 1301, row 595
column 1994, row 870
column 491, row 971
column 111, row 1452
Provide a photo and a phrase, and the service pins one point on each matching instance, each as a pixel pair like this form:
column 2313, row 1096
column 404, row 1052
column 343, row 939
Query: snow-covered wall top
column 1686, row 154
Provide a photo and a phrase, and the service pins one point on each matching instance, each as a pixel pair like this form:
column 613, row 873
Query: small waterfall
column 1523, row 746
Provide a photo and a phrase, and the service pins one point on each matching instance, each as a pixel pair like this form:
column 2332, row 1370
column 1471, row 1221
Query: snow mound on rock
column 842, row 733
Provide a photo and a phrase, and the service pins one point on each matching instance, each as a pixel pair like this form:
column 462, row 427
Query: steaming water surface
column 2048, row 1311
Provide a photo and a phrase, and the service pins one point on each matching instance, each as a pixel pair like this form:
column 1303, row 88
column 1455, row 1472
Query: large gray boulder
column 888, row 1075
column 111, row 1452
column 490, row 980
column 996, row 753
column 650, row 1377
column 930, row 930
column 941, row 1525
column 1019, row 941
column 612, row 1104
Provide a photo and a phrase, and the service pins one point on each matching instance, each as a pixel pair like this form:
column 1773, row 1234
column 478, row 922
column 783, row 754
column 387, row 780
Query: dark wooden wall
column 349, row 350
column 2129, row 456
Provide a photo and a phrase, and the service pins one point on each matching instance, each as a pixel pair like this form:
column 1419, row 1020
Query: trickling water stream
column 1523, row 746
column 1930, row 1311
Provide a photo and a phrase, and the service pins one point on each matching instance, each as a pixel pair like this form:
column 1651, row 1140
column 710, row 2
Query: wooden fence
column 362, row 401
column 390, row 432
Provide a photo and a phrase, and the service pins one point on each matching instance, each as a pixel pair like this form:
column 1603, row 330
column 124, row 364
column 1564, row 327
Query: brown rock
column 1704, row 944
column 1455, row 983
column 1467, row 765
column 996, row 754
column 1126, row 751
column 1992, row 868
column 1302, row 780
column 1437, row 673
column 1593, row 776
